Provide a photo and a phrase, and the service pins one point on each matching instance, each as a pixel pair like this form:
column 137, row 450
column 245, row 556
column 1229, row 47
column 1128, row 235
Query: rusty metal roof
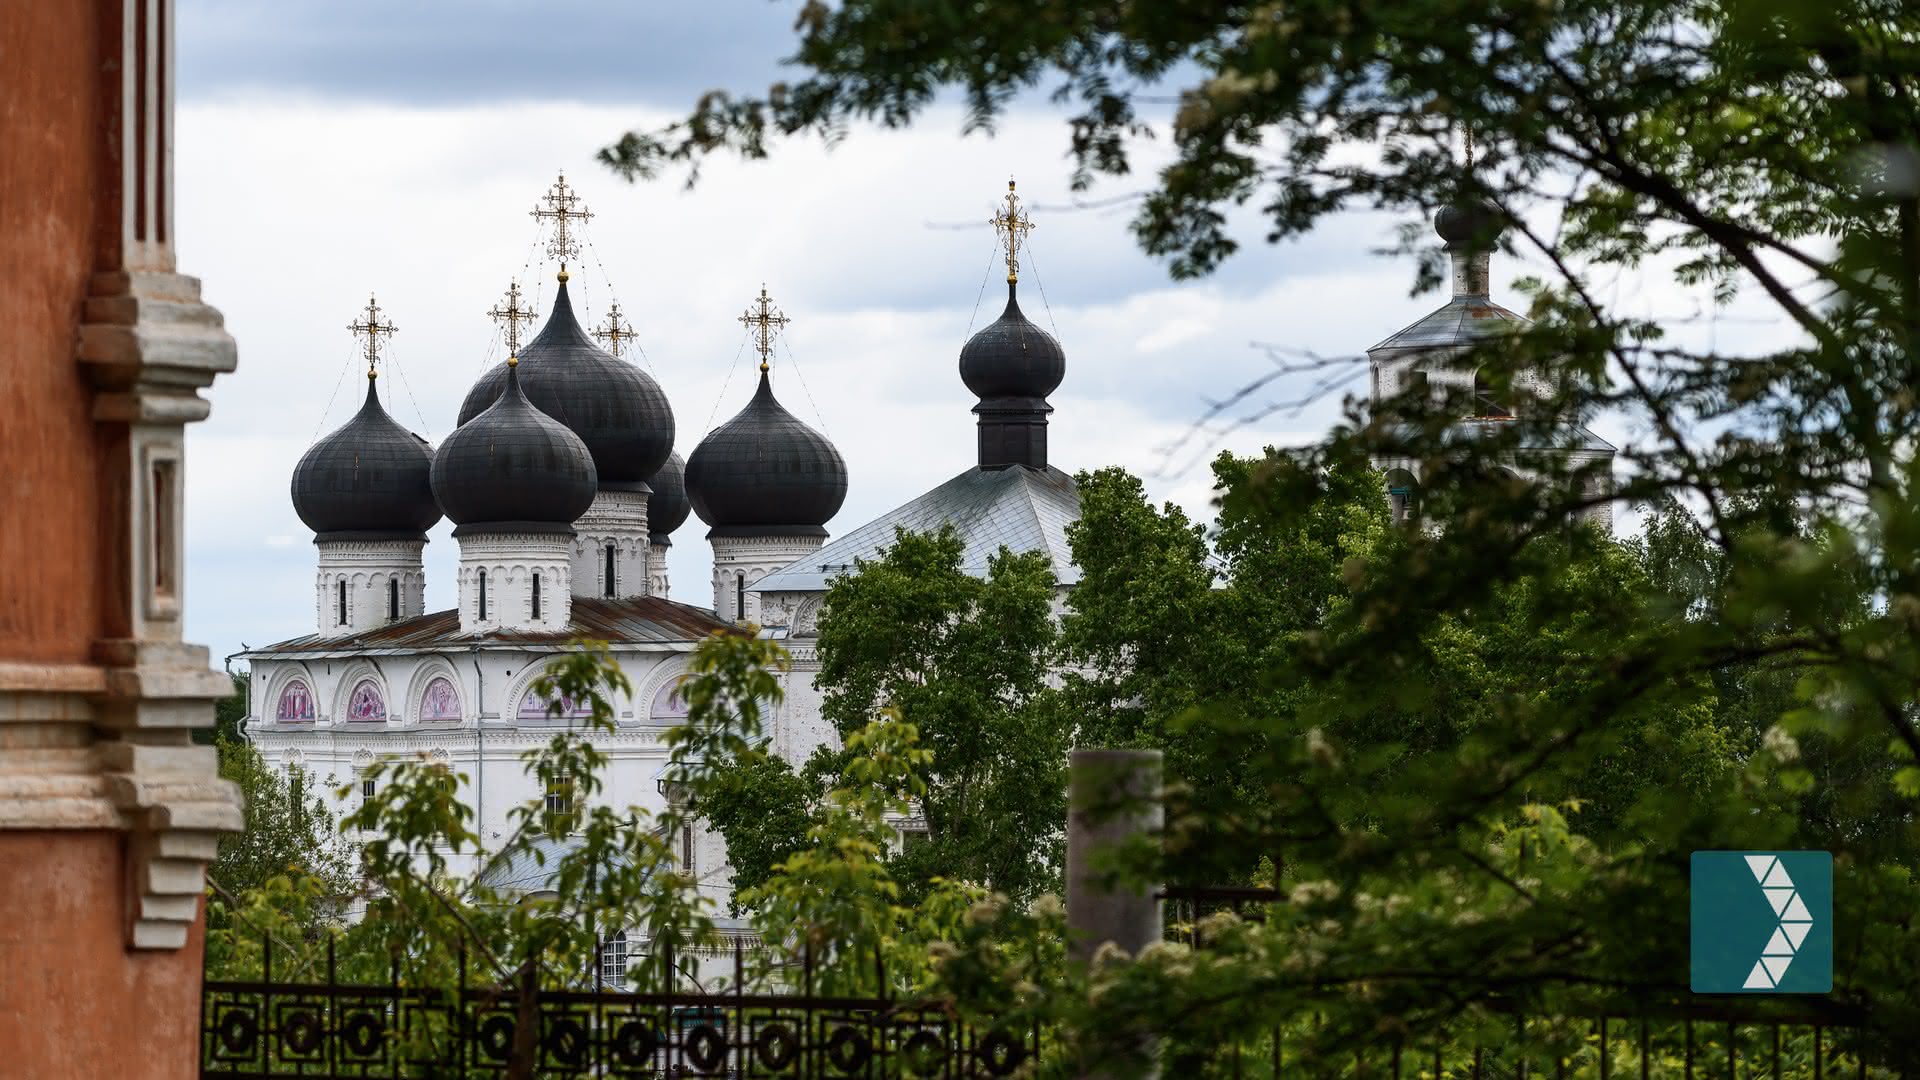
column 645, row 620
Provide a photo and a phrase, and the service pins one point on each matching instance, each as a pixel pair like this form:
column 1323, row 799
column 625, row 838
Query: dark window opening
column 1417, row 383
column 1484, row 402
column 393, row 598
column 612, row 586
column 739, row 598
column 340, row 595
column 483, row 596
column 536, row 596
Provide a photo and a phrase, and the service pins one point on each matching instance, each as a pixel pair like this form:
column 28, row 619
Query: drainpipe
column 479, row 760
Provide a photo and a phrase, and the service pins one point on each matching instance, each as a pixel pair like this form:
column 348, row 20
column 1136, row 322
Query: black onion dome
column 367, row 480
column 514, row 466
column 617, row 410
column 668, row 506
column 1012, row 358
column 1473, row 223
column 764, row 473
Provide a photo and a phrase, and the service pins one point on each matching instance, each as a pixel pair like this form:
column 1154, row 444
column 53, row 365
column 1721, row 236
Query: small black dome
column 764, row 473
column 368, row 479
column 1472, row 223
column 1012, row 358
column 617, row 410
column 667, row 507
column 514, row 465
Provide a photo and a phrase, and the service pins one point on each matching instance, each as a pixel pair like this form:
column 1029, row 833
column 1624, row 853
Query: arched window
column 340, row 599
column 366, row 704
column 1403, row 495
column 393, row 599
column 613, row 961
column 535, row 709
column 483, row 596
column 612, row 585
column 440, row 702
column 536, row 596
column 295, row 705
column 669, row 707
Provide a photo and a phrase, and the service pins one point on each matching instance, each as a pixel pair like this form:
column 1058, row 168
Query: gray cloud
column 462, row 52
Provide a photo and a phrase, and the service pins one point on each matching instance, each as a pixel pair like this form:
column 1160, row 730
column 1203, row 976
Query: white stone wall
column 740, row 561
column 367, row 568
column 657, row 582
column 484, row 744
column 617, row 519
column 510, row 561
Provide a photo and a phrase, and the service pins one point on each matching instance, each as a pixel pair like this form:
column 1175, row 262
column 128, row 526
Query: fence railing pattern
column 325, row 1030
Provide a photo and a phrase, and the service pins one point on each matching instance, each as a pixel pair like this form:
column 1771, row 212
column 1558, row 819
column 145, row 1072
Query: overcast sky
column 328, row 150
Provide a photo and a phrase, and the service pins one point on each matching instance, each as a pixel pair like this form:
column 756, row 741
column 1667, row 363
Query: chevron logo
column 1762, row 922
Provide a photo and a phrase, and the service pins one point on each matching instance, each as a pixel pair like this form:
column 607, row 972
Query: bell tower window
column 612, row 584
column 483, row 596
column 740, row 597
column 340, row 600
column 393, row 599
column 536, row 596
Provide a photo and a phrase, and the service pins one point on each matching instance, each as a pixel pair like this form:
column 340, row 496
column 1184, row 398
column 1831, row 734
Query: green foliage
column 289, row 833
column 229, row 714
column 964, row 659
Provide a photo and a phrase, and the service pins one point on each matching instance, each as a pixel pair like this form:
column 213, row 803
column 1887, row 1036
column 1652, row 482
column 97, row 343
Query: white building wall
column 740, row 561
column 510, row 561
column 617, row 520
column 367, row 568
column 657, row 581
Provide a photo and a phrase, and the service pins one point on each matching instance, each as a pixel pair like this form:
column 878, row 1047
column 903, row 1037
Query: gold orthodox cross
column 560, row 200
column 1013, row 224
column 512, row 315
column 615, row 332
column 765, row 321
column 372, row 330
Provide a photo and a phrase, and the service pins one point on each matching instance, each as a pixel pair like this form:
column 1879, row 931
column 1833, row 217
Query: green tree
column 289, row 832
column 965, row 660
column 1766, row 151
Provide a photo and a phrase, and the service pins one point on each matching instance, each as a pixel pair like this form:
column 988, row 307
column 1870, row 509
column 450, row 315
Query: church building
column 565, row 491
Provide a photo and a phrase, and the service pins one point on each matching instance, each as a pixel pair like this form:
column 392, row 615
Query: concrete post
column 1113, row 796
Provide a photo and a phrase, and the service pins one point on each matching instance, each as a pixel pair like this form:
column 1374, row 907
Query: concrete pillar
column 1113, row 797
column 1113, row 800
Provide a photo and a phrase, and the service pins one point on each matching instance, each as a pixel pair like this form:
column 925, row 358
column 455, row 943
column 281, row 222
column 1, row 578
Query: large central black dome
column 764, row 473
column 512, row 467
column 368, row 480
column 616, row 409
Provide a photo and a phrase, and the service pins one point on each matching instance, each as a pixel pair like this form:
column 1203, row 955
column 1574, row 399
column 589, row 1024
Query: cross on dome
column 766, row 322
column 372, row 330
column 560, row 200
column 1012, row 224
column 615, row 332
column 512, row 316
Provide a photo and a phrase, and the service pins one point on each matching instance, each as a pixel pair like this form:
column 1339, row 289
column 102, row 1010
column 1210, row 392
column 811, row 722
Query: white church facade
column 565, row 492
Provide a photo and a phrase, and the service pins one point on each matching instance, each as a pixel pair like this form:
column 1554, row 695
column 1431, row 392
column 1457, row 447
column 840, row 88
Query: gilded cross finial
column 766, row 321
column 616, row 332
column 560, row 200
column 512, row 315
column 372, row 330
column 1012, row 224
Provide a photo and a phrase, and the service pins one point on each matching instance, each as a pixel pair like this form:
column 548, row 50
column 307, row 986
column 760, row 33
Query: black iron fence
column 325, row 1029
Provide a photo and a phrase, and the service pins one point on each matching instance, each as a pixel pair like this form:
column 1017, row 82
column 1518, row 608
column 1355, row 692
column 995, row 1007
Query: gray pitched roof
column 531, row 868
column 1464, row 320
column 1016, row 507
